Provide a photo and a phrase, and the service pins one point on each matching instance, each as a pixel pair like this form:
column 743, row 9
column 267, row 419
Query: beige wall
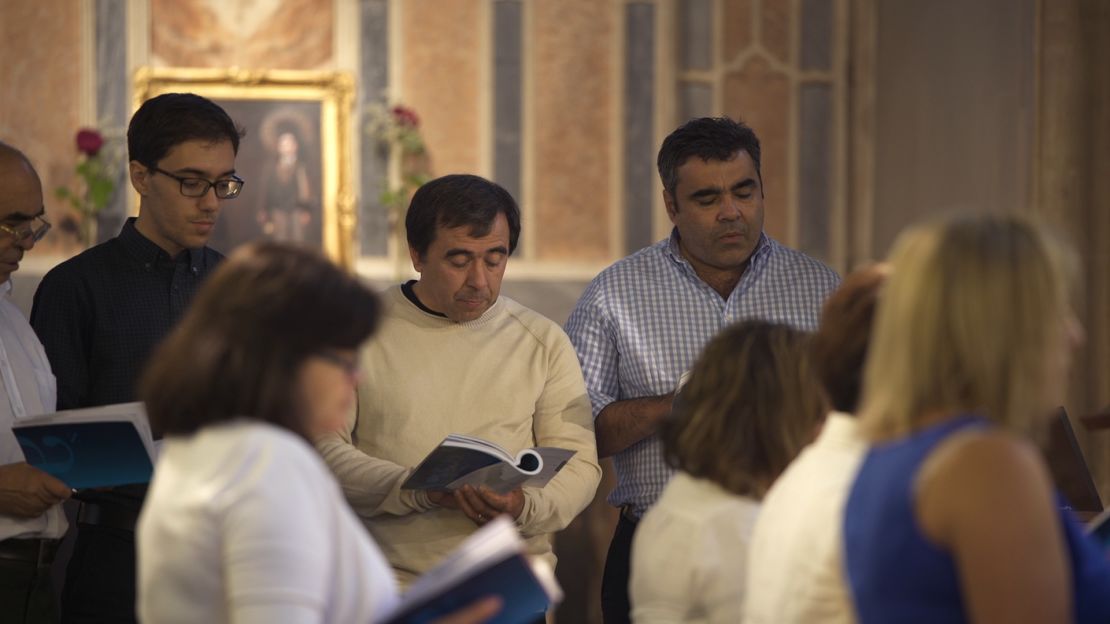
column 1072, row 189
column 992, row 106
column 572, row 45
column 954, row 110
column 442, row 77
column 40, row 109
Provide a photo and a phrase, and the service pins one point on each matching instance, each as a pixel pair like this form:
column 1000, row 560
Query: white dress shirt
column 796, row 566
column 244, row 523
column 27, row 388
column 690, row 553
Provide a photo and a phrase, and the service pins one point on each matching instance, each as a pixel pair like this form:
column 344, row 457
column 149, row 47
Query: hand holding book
column 480, row 504
column 27, row 492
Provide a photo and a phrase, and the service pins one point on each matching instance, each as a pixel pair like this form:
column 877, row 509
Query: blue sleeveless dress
column 897, row 575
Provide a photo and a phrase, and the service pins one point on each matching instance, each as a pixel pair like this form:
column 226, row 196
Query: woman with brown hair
column 243, row 521
column 751, row 403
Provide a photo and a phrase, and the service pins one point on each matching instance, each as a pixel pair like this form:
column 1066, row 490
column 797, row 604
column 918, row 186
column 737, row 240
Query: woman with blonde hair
column 952, row 517
column 751, row 403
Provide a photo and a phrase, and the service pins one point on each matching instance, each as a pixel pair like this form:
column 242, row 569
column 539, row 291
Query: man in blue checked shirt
column 642, row 322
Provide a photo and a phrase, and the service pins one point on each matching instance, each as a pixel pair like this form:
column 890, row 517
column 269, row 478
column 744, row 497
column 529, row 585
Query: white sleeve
column 277, row 543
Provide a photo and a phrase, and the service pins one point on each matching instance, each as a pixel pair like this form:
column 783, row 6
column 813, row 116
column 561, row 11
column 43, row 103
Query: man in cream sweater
column 452, row 356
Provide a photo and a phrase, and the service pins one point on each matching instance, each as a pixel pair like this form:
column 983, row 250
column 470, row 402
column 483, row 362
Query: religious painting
column 294, row 155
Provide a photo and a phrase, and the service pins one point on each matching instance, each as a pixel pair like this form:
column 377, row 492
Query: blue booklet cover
column 523, row 600
column 98, row 447
column 491, row 562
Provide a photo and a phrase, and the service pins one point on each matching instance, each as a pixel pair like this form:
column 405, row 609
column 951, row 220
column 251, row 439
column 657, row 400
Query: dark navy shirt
column 101, row 313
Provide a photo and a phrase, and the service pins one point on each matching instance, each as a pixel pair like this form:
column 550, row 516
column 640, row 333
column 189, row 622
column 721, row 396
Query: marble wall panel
column 761, row 97
column 695, row 30
column 113, row 104
column 639, row 132
column 574, row 94
column 508, row 91
column 817, row 34
column 373, row 76
column 252, row 34
column 815, row 167
column 441, row 78
column 40, row 43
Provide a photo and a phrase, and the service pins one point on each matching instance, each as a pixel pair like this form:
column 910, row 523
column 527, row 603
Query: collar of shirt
column 762, row 252
column 410, row 294
column 149, row 254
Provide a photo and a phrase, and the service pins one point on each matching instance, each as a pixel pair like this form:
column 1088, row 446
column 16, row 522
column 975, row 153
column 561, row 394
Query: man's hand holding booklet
column 90, row 448
column 465, row 460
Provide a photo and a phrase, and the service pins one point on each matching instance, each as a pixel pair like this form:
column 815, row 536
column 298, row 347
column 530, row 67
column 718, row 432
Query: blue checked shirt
column 643, row 321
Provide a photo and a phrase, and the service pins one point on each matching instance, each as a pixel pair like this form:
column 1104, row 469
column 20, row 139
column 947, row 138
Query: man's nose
column 209, row 202
column 730, row 209
column 476, row 277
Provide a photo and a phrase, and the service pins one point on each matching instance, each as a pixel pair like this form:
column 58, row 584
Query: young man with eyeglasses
column 100, row 314
column 31, row 518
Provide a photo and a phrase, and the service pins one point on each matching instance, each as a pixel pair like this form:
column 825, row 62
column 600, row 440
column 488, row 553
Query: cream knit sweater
column 510, row 376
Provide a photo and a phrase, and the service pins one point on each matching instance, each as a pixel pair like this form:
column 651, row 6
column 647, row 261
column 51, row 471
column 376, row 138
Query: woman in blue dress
column 953, row 516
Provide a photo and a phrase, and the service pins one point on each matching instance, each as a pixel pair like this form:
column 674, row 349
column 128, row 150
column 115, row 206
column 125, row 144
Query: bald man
column 31, row 519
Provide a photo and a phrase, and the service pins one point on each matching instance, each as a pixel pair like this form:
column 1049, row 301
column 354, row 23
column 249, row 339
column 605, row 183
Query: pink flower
column 89, row 141
column 405, row 117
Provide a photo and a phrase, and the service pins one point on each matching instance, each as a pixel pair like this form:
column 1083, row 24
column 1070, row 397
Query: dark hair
column 240, row 347
column 170, row 119
column 751, row 404
column 841, row 342
column 459, row 200
column 708, row 138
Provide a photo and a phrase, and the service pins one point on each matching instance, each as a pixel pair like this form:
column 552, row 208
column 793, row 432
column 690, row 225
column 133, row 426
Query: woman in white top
column 751, row 404
column 243, row 522
column 796, row 558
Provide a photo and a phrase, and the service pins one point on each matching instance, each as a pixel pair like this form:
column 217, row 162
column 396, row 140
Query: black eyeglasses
column 34, row 230
column 226, row 188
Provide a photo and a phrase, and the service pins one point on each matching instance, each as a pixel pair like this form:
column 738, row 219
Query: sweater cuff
column 418, row 501
column 527, row 512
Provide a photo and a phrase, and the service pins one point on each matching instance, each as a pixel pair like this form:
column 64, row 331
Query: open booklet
column 94, row 447
column 465, row 460
column 491, row 562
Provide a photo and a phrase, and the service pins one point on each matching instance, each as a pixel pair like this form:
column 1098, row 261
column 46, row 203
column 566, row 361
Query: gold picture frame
column 315, row 203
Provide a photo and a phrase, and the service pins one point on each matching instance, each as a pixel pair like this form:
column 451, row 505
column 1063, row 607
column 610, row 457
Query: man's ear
column 140, row 177
column 669, row 202
column 417, row 261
